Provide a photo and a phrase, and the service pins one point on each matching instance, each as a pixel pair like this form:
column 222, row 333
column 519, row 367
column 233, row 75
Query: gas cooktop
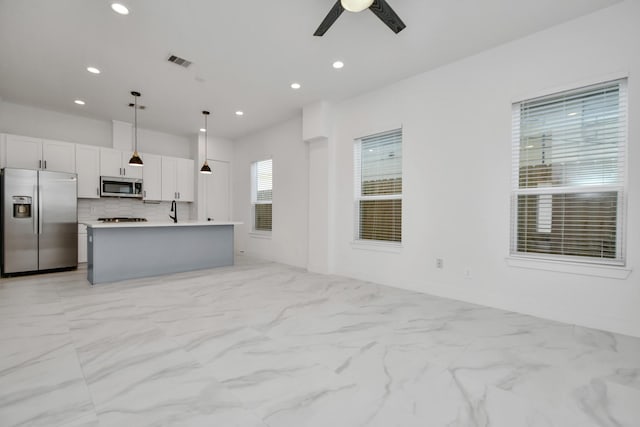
column 122, row 219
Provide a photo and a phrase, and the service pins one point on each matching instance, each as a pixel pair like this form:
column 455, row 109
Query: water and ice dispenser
column 22, row 206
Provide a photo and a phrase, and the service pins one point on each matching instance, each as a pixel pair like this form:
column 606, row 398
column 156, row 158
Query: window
column 378, row 187
column 568, row 175
column 262, row 186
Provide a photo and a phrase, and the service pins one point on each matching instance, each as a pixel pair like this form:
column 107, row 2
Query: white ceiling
column 245, row 54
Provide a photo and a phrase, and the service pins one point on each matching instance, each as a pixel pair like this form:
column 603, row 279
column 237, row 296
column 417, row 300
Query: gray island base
column 127, row 251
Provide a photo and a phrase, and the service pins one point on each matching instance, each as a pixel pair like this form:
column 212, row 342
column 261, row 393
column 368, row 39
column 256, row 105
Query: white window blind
column 569, row 155
column 262, row 195
column 378, row 187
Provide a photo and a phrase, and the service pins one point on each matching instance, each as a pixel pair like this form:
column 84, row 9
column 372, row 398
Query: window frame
column 254, row 197
column 620, row 187
column 358, row 197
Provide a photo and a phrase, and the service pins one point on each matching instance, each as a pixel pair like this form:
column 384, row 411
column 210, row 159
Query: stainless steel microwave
column 120, row 187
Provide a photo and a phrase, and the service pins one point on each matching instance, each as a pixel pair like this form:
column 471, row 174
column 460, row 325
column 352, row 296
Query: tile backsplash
column 92, row 209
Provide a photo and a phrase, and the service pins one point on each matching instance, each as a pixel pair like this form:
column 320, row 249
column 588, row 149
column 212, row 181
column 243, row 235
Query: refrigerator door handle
column 40, row 210
column 35, row 221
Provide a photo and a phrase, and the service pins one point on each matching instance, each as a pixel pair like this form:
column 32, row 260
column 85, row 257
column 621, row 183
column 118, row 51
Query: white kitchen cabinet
column 24, row 152
column 177, row 179
column 116, row 163
column 152, row 177
column 88, row 170
column 2, row 149
column 82, row 243
column 185, row 177
column 59, row 156
column 169, row 190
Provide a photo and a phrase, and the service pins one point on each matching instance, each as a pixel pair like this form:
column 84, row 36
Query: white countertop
column 100, row 224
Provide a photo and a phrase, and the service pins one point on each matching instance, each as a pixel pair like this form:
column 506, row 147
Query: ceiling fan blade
column 386, row 14
column 331, row 17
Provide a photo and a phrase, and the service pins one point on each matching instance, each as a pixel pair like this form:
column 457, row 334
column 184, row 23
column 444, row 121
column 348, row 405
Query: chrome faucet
column 174, row 208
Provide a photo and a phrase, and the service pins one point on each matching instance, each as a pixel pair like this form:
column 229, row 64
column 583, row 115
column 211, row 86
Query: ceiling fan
column 379, row 7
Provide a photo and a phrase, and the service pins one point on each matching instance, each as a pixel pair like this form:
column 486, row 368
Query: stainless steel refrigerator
column 39, row 221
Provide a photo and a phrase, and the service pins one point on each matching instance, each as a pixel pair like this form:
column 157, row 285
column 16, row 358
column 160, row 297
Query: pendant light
column 135, row 158
column 205, row 169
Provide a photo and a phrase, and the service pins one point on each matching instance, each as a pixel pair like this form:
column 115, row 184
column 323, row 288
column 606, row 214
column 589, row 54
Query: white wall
column 283, row 143
column 154, row 142
column 41, row 123
column 25, row 120
column 457, row 168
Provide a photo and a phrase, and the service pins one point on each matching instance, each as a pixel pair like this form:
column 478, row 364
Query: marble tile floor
column 264, row 344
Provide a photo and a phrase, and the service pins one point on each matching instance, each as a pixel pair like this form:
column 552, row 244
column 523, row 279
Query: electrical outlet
column 439, row 263
column 92, row 210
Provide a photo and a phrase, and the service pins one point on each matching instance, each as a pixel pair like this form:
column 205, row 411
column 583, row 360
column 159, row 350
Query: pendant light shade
column 135, row 160
column 356, row 5
column 205, row 169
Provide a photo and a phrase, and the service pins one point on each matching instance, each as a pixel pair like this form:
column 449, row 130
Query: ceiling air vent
column 179, row 61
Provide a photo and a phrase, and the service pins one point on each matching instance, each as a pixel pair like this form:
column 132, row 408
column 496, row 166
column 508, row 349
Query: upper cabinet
column 185, row 177
column 23, row 152
column 116, row 163
column 177, row 179
column 164, row 178
column 152, row 177
column 88, row 170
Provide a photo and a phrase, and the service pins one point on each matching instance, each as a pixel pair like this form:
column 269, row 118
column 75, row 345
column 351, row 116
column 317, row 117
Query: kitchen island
column 129, row 250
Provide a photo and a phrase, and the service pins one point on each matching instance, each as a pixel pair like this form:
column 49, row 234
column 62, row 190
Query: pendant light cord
column 206, row 140
column 135, row 123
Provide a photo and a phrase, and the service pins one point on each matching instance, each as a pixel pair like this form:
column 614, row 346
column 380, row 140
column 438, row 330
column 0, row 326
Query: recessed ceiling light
column 338, row 64
column 79, row 102
column 119, row 8
column 239, row 113
column 295, row 86
column 93, row 70
column 203, row 130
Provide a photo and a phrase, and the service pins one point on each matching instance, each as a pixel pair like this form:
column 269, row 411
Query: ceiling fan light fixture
column 119, row 8
column 356, row 5
column 380, row 8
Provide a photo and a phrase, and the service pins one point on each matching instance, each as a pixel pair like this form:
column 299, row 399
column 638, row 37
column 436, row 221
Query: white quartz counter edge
column 100, row 224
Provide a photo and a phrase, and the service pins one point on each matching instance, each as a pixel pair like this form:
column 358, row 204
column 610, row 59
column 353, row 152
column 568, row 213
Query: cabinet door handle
column 144, row 193
column 45, row 164
column 97, row 191
column 39, row 164
column 124, row 172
